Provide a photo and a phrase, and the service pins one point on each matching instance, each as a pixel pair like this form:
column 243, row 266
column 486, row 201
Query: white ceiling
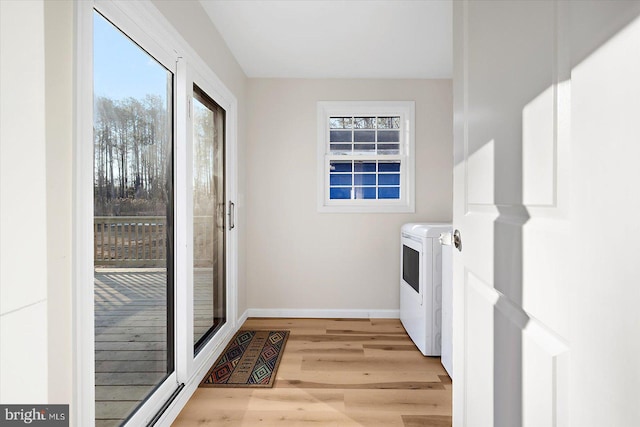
column 337, row 38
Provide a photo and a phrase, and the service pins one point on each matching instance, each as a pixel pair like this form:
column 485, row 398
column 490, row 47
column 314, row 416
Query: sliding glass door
column 133, row 223
column 209, row 272
column 157, row 252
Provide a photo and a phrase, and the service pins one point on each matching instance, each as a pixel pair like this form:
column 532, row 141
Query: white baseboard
column 323, row 313
column 242, row 318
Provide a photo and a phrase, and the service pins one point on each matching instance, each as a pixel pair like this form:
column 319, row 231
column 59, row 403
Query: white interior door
column 547, row 108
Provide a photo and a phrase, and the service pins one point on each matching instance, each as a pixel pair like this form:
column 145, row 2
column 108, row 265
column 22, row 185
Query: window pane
column 389, row 167
column 209, row 294
column 364, row 192
column 340, row 148
column 389, row 193
column 340, row 193
column 389, row 179
column 364, row 179
column 388, row 122
column 388, row 149
column 364, row 136
column 364, row 166
column 340, row 136
column 340, row 166
column 340, row 179
column 340, row 122
column 388, row 136
column 133, row 223
column 364, row 147
column 364, row 122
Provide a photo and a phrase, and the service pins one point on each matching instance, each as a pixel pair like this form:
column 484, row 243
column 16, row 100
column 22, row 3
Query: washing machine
column 421, row 284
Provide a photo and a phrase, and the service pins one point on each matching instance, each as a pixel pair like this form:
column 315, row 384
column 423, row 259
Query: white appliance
column 421, row 284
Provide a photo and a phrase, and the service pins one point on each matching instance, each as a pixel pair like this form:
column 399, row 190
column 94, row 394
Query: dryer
column 421, row 284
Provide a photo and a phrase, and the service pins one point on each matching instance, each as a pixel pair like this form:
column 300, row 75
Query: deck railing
column 141, row 241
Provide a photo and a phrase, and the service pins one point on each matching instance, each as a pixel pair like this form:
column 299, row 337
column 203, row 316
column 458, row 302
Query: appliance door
column 412, row 268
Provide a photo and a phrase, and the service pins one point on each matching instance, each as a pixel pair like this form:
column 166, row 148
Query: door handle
column 232, row 215
column 457, row 240
column 449, row 239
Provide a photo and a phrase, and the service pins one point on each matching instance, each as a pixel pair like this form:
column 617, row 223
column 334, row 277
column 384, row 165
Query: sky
column 121, row 68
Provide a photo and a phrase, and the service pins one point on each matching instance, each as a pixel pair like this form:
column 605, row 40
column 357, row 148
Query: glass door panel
column 133, row 223
column 208, row 217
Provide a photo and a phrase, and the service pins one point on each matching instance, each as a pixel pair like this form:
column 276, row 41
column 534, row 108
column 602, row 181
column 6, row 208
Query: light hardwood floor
column 335, row 372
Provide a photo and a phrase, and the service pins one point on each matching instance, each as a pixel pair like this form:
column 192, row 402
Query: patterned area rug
column 251, row 359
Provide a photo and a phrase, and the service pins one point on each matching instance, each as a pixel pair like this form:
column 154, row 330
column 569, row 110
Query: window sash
column 376, row 201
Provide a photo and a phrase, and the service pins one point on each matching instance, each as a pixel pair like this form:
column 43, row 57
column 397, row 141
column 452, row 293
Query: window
column 365, row 156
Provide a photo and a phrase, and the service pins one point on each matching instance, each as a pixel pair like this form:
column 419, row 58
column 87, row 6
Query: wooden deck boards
column 335, row 373
column 131, row 338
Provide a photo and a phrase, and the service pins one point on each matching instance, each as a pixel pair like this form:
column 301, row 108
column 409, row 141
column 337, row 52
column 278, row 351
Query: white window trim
column 142, row 21
column 406, row 110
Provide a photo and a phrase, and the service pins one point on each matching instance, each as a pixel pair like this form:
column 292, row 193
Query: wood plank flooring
column 335, row 372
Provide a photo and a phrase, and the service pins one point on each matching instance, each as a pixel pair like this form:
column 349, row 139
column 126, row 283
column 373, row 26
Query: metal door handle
column 232, row 215
column 457, row 240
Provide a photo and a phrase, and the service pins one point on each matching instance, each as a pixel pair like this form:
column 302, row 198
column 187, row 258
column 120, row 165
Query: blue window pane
column 388, row 136
column 339, row 179
column 389, row 193
column 364, row 192
column 340, row 193
column 340, row 167
column 364, row 179
column 364, row 136
column 389, row 167
column 340, row 136
column 364, row 167
column 390, row 179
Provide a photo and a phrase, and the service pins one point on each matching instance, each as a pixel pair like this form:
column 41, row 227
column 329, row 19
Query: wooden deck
column 131, row 338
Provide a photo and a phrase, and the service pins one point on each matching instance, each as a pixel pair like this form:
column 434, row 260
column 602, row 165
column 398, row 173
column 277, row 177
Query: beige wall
column 298, row 258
